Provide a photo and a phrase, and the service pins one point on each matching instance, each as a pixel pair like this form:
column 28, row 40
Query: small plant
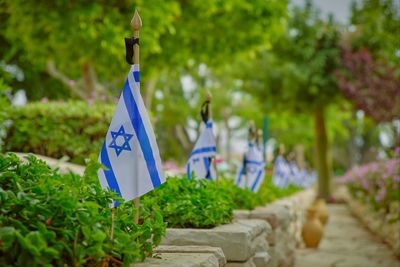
column 49, row 219
column 193, row 203
column 242, row 198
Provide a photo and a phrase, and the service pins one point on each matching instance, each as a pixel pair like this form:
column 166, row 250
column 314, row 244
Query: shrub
column 49, row 219
column 246, row 199
column 193, row 203
column 269, row 192
column 378, row 185
column 241, row 198
column 58, row 129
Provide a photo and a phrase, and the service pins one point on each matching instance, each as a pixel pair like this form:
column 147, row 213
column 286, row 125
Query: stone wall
column 286, row 217
column 264, row 237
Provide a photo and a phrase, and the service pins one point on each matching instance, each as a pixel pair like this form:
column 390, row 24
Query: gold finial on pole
column 252, row 131
column 136, row 21
column 136, row 24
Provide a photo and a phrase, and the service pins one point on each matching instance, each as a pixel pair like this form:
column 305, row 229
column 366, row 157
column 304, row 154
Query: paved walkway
column 346, row 243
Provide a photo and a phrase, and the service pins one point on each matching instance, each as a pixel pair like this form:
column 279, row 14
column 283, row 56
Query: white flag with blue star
column 251, row 173
column 204, row 150
column 281, row 173
column 130, row 153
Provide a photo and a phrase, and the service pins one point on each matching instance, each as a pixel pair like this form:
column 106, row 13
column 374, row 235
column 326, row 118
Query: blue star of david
column 252, row 169
column 125, row 145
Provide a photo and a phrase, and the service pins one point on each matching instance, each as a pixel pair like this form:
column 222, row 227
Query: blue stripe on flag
column 141, row 134
column 253, row 187
column 254, row 162
column 204, row 150
column 109, row 173
column 136, row 76
column 188, row 174
column 207, row 166
column 241, row 173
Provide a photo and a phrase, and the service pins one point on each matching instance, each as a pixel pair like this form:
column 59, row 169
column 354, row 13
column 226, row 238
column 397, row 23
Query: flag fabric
column 130, row 153
column 204, row 150
column 251, row 173
column 295, row 177
column 281, row 173
column 307, row 178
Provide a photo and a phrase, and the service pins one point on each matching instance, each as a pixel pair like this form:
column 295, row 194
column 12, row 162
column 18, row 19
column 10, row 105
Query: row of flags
column 132, row 160
column 286, row 173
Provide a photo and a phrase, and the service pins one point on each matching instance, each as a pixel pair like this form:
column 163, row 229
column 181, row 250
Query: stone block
column 241, row 214
column 261, row 259
column 217, row 252
column 235, row 239
column 276, row 215
column 248, row 263
column 180, row 260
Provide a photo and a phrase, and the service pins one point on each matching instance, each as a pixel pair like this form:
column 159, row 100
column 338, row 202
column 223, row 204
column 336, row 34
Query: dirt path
column 346, row 243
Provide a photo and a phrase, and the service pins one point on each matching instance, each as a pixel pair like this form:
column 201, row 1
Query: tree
column 297, row 74
column 376, row 25
column 372, row 86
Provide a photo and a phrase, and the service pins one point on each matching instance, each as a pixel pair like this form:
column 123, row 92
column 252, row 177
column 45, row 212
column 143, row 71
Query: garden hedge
column 57, row 129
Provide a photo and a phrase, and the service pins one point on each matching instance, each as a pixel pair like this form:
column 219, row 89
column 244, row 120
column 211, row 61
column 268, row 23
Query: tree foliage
column 371, row 85
column 377, row 27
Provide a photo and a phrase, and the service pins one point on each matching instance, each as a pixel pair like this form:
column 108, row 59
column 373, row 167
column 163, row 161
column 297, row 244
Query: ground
column 346, row 243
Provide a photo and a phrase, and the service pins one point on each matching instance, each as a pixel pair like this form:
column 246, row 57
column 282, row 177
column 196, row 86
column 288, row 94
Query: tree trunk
column 89, row 80
column 321, row 154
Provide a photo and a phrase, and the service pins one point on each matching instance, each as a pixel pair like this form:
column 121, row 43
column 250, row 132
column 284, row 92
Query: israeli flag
column 130, row 154
column 295, row 177
column 281, row 173
column 204, row 150
column 309, row 179
column 251, row 173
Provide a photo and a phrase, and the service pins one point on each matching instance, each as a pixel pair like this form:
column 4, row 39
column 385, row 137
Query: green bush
column 269, row 192
column 58, row 129
column 49, row 219
column 193, row 203
column 242, row 198
column 246, row 199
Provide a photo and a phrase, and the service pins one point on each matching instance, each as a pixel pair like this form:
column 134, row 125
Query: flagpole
column 259, row 138
column 112, row 224
column 136, row 24
column 209, row 111
column 250, row 137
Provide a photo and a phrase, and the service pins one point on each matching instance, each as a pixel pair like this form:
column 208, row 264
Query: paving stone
column 346, row 243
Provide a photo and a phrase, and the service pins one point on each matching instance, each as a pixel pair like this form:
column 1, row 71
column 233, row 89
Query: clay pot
column 312, row 230
column 322, row 212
